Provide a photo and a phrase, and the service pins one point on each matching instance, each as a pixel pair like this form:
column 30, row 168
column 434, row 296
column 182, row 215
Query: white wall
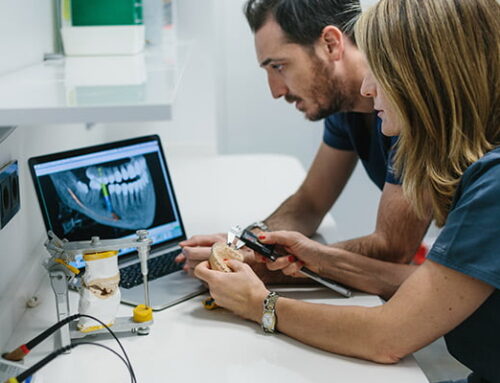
column 365, row 4
column 25, row 32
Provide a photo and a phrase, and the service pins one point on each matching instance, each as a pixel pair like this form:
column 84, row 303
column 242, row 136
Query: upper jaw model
column 121, row 196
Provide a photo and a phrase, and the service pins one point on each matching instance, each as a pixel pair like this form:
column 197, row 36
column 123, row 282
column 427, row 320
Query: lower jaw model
column 121, row 196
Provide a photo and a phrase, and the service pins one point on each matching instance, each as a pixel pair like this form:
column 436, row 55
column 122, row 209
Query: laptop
column 111, row 191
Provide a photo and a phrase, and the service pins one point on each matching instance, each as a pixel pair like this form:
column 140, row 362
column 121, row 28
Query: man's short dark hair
column 302, row 21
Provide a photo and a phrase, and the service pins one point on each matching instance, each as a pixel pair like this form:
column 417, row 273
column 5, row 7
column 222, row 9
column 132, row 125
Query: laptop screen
column 110, row 191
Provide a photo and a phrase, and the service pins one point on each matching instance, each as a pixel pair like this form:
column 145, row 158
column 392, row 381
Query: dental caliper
column 238, row 237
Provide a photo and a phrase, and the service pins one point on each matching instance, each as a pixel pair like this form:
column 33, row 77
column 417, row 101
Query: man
column 308, row 52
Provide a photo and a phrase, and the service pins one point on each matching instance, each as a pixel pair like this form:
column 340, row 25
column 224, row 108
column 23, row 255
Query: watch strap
column 269, row 312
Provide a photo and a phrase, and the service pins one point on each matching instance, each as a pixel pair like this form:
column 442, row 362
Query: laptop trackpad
column 165, row 291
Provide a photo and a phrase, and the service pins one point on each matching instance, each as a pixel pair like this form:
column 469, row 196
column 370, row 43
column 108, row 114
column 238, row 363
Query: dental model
column 220, row 254
column 100, row 294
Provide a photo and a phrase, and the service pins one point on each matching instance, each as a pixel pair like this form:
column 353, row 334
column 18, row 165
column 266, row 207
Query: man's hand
column 197, row 249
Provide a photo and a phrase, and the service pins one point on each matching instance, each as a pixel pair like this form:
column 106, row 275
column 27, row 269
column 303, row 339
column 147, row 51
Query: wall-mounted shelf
column 94, row 89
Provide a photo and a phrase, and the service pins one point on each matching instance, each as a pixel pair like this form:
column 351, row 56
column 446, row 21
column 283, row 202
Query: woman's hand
column 299, row 249
column 241, row 291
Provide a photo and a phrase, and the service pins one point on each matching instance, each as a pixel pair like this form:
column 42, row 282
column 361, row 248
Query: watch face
column 268, row 321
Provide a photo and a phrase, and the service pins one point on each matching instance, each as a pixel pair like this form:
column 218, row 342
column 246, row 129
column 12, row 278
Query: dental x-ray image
column 117, row 197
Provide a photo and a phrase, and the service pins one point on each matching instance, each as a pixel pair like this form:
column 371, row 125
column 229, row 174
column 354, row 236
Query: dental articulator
column 100, row 295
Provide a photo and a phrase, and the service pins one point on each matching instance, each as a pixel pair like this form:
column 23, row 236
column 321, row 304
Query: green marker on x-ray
column 107, row 199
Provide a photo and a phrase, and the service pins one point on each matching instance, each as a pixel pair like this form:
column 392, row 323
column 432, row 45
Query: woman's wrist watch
column 269, row 313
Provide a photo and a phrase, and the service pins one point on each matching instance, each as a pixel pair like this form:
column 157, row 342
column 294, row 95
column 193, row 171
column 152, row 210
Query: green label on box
column 106, row 12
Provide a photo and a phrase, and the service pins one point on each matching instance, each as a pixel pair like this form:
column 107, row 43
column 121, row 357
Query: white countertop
column 190, row 344
column 91, row 89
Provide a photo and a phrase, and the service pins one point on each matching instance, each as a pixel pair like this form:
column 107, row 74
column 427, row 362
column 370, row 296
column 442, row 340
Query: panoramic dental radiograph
column 118, row 194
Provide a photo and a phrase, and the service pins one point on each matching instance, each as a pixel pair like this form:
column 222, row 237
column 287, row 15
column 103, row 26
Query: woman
column 436, row 82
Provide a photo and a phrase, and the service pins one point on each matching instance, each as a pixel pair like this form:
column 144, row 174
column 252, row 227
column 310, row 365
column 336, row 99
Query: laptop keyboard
column 131, row 276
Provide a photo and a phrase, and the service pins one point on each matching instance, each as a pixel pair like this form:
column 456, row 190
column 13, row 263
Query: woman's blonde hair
column 438, row 63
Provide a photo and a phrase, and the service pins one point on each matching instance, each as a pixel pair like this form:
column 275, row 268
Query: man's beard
column 327, row 94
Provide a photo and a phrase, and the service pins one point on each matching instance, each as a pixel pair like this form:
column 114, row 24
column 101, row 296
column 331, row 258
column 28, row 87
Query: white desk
column 190, row 344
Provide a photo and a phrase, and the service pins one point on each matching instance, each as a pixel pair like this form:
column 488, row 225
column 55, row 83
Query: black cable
column 129, row 367
column 30, row 371
column 116, row 338
column 23, row 350
column 39, row 338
